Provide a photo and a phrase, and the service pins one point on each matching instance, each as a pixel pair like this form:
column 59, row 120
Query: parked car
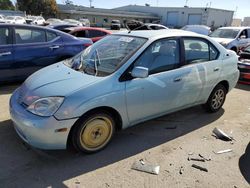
column 244, row 65
column 73, row 22
column 60, row 27
column 150, row 26
column 38, row 20
column 121, row 80
column 85, row 22
column 93, row 33
column 115, row 24
column 200, row 29
column 25, row 49
column 2, row 19
column 233, row 38
column 15, row 20
column 53, row 21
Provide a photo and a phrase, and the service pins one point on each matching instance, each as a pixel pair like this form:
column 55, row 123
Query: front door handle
column 216, row 69
column 54, row 47
column 178, row 79
column 5, row 53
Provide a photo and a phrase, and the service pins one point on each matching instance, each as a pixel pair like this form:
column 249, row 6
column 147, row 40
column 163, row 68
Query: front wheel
column 216, row 99
column 94, row 132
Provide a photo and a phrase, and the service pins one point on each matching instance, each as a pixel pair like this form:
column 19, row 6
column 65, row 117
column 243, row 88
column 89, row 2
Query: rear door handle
column 216, row 69
column 5, row 53
column 178, row 79
column 54, row 47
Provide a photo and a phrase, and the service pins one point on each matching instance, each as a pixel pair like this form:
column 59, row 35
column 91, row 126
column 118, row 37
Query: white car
column 38, row 20
column 233, row 38
column 200, row 29
column 15, row 20
column 72, row 21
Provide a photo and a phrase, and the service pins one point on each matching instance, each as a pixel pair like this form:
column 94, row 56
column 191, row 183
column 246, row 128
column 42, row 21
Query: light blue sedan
column 121, row 80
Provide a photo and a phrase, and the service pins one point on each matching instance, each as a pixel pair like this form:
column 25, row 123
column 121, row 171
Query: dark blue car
column 24, row 49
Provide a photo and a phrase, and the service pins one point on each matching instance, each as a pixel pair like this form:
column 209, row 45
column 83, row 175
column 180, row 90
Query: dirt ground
column 166, row 141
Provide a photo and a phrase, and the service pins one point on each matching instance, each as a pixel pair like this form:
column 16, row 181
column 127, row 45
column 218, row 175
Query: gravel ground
column 166, row 141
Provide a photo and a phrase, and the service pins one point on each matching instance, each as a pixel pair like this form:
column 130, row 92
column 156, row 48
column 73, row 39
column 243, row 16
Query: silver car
column 233, row 38
column 120, row 81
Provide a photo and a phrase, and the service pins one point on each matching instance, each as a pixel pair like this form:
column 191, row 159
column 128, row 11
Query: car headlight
column 45, row 106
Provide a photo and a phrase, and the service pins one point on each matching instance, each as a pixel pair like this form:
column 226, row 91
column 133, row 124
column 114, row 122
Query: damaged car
column 122, row 80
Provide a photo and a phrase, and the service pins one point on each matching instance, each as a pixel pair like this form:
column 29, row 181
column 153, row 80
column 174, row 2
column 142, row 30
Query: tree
column 45, row 7
column 6, row 5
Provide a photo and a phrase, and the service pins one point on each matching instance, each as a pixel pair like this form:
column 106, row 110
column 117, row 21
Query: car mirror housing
column 140, row 72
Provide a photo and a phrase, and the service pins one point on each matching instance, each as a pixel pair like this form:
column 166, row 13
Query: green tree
column 35, row 7
column 6, row 5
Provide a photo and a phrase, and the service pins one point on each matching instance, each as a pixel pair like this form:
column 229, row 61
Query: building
column 102, row 17
column 180, row 16
column 12, row 13
column 246, row 21
column 236, row 22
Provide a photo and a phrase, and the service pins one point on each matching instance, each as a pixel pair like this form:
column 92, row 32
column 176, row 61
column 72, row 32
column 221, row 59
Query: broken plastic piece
column 196, row 159
column 207, row 159
column 221, row 135
column 152, row 169
column 223, row 151
column 200, row 168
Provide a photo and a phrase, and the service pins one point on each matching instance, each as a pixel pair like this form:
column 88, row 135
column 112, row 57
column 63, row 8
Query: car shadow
column 52, row 168
column 243, row 87
column 244, row 164
column 8, row 88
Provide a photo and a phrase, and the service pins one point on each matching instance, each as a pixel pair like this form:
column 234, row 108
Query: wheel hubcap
column 96, row 133
column 218, row 99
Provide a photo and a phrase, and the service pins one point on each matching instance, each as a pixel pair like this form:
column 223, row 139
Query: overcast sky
column 242, row 6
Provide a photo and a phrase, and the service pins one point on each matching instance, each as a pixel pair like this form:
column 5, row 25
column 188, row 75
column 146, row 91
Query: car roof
column 79, row 28
column 158, row 33
column 234, row 28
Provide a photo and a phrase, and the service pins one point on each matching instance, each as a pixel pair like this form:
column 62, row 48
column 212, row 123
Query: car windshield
column 106, row 56
column 225, row 33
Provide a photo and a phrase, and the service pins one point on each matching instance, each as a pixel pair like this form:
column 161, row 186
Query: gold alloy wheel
column 96, row 133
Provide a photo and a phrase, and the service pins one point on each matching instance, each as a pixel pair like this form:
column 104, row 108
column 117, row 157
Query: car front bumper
column 39, row 132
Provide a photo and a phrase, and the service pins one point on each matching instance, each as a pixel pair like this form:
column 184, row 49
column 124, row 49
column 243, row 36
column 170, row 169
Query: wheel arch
column 225, row 84
column 116, row 115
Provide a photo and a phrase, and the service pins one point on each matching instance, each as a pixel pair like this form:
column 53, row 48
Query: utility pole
column 90, row 3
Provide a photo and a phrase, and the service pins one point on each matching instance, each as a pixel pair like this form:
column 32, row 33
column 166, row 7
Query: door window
column 162, row 55
column 4, row 36
column 82, row 33
column 50, row 36
column 24, row 36
column 95, row 33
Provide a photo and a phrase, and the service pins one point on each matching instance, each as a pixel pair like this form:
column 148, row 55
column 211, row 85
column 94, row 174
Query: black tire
column 92, row 133
column 216, row 99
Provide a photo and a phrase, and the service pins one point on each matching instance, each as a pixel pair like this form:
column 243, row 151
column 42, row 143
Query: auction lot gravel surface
column 167, row 141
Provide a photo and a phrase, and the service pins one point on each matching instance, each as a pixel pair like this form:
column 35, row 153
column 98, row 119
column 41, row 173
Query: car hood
column 223, row 40
column 54, row 80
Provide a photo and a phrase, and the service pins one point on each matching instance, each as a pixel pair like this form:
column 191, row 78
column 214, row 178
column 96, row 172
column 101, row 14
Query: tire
column 216, row 99
column 92, row 133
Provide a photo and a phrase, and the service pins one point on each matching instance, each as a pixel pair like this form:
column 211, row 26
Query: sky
column 242, row 7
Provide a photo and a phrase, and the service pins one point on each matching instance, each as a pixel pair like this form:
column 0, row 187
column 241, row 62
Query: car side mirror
column 139, row 72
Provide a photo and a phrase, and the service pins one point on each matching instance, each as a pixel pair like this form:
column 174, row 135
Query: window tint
column 196, row 50
column 80, row 33
column 29, row 36
column 95, row 33
column 214, row 53
column 4, row 36
column 162, row 55
column 50, row 36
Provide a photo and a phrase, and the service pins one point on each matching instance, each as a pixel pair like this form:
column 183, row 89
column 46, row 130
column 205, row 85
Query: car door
column 6, row 54
column 33, row 49
column 243, row 39
column 164, row 90
column 201, row 61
